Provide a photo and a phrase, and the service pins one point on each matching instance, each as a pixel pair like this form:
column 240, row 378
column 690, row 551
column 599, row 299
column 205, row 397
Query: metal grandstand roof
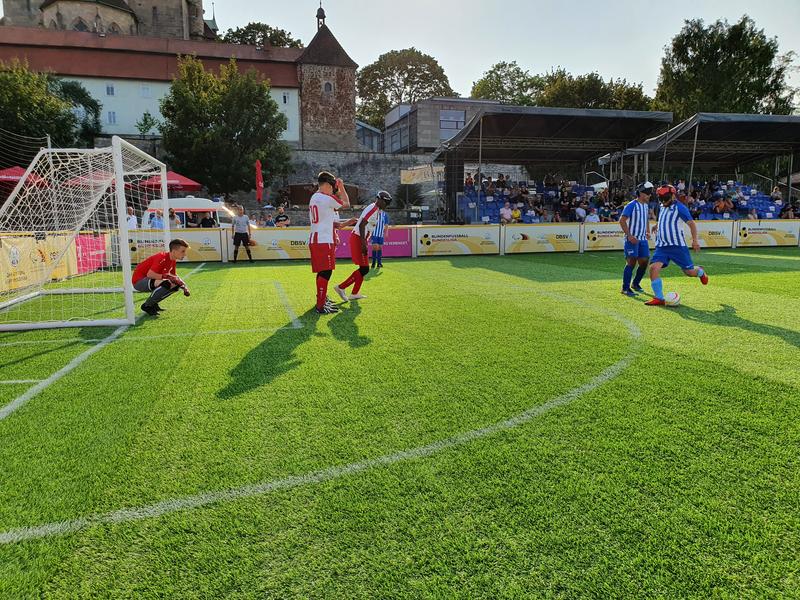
column 528, row 135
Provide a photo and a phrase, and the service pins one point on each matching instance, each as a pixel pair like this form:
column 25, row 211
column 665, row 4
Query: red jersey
column 160, row 263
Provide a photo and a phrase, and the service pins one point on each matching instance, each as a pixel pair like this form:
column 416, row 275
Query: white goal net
column 64, row 242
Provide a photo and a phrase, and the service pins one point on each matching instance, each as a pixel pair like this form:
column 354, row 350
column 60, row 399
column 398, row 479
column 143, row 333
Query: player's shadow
column 271, row 358
column 344, row 328
column 728, row 317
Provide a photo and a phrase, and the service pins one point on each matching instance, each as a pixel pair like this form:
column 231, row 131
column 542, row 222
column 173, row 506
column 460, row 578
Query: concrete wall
column 329, row 117
column 132, row 98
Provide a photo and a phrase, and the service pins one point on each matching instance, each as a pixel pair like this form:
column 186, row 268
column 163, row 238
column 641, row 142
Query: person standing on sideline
column 378, row 238
column 241, row 234
column 358, row 246
column 133, row 222
column 329, row 198
column 635, row 225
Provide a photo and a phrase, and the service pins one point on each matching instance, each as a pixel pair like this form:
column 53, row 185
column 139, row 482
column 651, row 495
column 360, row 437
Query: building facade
column 421, row 127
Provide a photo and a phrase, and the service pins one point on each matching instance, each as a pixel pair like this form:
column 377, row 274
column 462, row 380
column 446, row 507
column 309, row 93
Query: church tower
column 328, row 98
column 21, row 13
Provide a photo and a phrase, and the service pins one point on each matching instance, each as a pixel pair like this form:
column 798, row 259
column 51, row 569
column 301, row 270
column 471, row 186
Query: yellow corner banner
column 25, row 260
column 466, row 239
column 542, row 238
column 768, row 233
column 276, row 243
column 603, row 236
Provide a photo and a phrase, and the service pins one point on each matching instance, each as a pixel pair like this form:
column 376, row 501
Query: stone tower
column 181, row 19
column 21, row 13
column 328, row 99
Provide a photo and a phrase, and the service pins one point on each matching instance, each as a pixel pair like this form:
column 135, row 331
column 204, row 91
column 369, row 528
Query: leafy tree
column 397, row 77
column 84, row 106
column 147, row 123
column 724, row 68
column 29, row 107
column 261, row 34
column 216, row 126
column 509, row 83
column 591, row 91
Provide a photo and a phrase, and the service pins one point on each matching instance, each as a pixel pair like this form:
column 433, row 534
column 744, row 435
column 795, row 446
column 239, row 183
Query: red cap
column 665, row 190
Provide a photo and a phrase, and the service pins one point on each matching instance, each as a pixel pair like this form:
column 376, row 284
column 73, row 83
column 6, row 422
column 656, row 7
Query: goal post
column 65, row 245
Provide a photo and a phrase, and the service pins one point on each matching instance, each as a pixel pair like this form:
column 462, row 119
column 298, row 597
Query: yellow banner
column 143, row 243
column 466, row 239
column 768, row 233
column 25, row 260
column 712, row 234
column 276, row 243
column 421, row 174
column 558, row 237
column 603, row 236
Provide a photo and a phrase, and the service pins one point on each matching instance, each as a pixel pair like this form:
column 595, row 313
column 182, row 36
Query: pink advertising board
column 91, row 251
column 397, row 243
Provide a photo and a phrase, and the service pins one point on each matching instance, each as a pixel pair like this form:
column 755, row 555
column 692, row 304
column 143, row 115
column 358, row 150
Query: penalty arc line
column 166, row 507
column 26, row 397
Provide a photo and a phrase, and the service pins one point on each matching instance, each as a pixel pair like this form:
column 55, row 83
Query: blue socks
column 658, row 288
column 700, row 272
column 637, row 281
column 380, row 258
column 627, row 274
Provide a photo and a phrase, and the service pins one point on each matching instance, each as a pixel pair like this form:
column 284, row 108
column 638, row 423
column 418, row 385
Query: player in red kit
column 330, row 197
column 157, row 275
column 358, row 246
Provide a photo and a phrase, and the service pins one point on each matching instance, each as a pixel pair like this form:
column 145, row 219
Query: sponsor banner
column 542, row 238
column 91, row 252
column 275, row 243
column 712, row 234
column 767, row 233
column 25, row 260
column 603, row 236
column 397, row 243
column 467, row 239
column 205, row 244
column 421, row 174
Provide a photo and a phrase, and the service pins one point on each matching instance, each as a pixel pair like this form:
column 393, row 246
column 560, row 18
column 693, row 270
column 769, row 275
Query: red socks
column 350, row 280
column 359, row 280
column 322, row 291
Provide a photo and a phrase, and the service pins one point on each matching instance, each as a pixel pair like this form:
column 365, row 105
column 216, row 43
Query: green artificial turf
column 680, row 477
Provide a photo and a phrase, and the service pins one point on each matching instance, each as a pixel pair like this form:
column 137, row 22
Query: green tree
column 216, row 126
column 591, row 91
column 85, row 108
column 407, row 194
column 398, row 77
column 509, row 83
column 724, row 68
column 261, row 34
column 147, row 123
column 29, row 107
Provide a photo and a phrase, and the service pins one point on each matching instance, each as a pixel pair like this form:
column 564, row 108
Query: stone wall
column 21, row 13
column 171, row 18
column 64, row 15
column 328, row 117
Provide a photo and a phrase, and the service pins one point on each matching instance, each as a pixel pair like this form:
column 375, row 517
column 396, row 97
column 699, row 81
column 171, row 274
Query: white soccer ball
column 673, row 299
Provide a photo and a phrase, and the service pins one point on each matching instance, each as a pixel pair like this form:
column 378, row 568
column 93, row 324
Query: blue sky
column 617, row 38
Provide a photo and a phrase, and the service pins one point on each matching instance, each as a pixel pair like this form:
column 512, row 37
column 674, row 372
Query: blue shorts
column 677, row 254
column 376, row 240
column 640, row 250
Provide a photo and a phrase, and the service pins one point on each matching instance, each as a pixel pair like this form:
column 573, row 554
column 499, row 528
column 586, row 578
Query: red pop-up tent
column 175, row 183
column 12, row 175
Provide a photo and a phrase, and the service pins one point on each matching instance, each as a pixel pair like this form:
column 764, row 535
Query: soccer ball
column 673, row 299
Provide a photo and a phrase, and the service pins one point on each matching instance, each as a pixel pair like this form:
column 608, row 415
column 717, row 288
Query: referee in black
column 241, row 234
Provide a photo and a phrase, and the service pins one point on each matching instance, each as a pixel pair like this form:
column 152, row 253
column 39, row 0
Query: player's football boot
column 638, row 289
column 704, row 278
column 628, row 293
column 341, row 292
column 357, row 296
column 656, row 302
column 150, row 310
column 159, row 309
column 326, row 310
column 331, row 305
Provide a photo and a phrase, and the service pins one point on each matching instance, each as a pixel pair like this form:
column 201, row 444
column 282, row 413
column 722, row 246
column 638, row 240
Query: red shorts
column 323, row 257
column 357, row 252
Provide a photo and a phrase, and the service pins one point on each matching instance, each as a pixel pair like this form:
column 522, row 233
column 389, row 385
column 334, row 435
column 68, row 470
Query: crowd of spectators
column 567, row 202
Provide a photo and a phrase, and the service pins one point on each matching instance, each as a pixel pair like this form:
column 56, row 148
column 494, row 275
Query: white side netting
column 64, row 246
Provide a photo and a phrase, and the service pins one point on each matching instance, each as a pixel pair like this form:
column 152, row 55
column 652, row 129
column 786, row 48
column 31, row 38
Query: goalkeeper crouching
column 157, row 275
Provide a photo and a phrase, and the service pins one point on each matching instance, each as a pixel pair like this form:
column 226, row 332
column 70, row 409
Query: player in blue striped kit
column 671, row 243
column 634, row 223
column 377, row 239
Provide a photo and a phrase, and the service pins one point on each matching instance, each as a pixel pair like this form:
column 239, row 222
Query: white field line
column 199, row 500
column 18, row 381
column 296, row 324
column 31, row 393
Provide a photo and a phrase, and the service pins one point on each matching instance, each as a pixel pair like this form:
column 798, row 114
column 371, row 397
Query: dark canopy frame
column 524, row 135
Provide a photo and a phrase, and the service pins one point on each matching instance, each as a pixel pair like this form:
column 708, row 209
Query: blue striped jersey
column 670, row 231
column 380, row 225
column 637, row 214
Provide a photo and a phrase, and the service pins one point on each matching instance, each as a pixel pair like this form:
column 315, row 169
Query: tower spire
column 320, row 15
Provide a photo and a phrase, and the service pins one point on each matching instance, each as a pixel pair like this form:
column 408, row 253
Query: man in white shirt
column 133, row 222
column 322, row 208
column 241, row 234
column 592, row 216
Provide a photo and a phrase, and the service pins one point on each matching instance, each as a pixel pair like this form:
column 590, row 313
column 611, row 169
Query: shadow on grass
column 271, row 358
column 727, row 316
column 344, row 328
